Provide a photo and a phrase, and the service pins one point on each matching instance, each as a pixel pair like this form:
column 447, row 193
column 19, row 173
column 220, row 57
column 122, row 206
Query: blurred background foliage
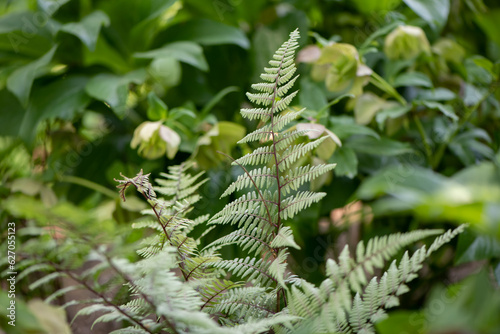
column 407, row 90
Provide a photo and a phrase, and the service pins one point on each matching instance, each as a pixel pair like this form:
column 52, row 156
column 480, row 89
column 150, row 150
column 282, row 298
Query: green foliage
column 399, row 136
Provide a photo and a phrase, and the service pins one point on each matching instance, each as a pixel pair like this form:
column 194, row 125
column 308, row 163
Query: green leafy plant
column 175, row 287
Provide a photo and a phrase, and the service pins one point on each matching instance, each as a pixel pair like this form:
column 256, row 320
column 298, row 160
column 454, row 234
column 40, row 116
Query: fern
column 332, row 307
column 272, row 199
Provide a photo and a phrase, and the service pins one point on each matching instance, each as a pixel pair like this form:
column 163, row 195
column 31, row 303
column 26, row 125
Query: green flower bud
column 406, row 42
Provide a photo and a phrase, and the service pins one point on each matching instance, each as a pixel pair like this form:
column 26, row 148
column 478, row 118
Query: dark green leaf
column 413, row 79
column 476, row 248
column 347, row 162
column 345, row 130
column 438, row 94
column 435, row 12
column 489, row 23
column 113, row 89
column 382, row 146
column 187, row 52
column 446, row 109
column 393, row 112
column 208, row 32
column 157, row 109
column 312, row 95
column 21, row 80
column 87, row 30
column 61, row 99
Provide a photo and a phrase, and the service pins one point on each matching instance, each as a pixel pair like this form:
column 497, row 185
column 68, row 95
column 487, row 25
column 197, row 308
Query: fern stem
column 105, row 299
column 275, row 154
column 195, row 268
column 131, row 283
column 158, row 217
column 255, row 185
column 215, row 295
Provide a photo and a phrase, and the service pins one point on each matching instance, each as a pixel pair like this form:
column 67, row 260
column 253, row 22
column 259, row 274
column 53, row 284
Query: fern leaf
column 256, row 113
column 249, row 268
column 247, row 303
column 284, row 238
column 262, row 155
column 286, row 138
column 300, row 175
column 215, row 290
column 293, row 204
column 296, row 152
column 263, row 177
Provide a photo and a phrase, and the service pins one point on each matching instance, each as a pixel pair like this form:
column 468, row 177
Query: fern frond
column 250, row 268
column 256, row 113
column 260, row 156
column 284, row 238
column 263, row 177
column 246, row 206
column 252, row 238
column 296, row 152
column 273, row 129
column 353, row 273
column 215, row 290
column 284, row 139
column 300, row 175
column 293, row 204
column 247, row 303
column 264, row 99
column 332, row 308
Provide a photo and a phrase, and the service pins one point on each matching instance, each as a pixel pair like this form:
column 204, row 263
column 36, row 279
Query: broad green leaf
column 63, row 99
column 446, row 109
column 186, row 52
column 435, row 12
column 162, row 13
column 468, row 147
column 11, row 114
column 382, row 146
column 311, row 95
column 476, row 247
column 106, row 55
column 347, row 162
column 482, row 180
column 51, row 6
column 24, row 25
column 438, row 94
column 398, row 180
column 391, row 113
column 157, row 109
column 412, row 79
column 21, row 80
column 477, row 74
column 113, row 89
column 345, row 130
column 488, row 21
column 87, row 30
column 208, row 32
